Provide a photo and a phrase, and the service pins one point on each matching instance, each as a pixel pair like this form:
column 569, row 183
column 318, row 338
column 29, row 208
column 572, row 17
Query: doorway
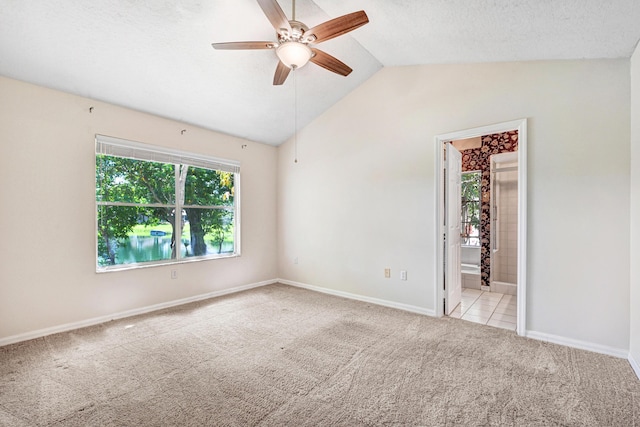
column 446, row 274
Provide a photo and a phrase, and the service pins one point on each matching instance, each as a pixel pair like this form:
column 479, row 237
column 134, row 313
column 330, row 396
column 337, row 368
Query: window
column 139, row 190
column 471, row 208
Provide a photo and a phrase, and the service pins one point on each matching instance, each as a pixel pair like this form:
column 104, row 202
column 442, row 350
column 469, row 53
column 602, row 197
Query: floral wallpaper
column 479, row 159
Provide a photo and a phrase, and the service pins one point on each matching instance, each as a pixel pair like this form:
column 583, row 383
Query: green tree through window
column 471, row 208
column 137, row 200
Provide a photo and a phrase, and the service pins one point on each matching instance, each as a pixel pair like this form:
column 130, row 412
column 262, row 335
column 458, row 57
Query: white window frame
column 111, row 146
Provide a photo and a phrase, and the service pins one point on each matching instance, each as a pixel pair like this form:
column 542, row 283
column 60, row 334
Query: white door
column 453, row 198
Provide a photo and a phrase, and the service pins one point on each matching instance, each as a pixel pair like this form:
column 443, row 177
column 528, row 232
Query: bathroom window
column 470, row 234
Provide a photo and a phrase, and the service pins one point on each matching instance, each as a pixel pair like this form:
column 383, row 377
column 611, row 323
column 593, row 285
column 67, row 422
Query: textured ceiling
column 156, row 55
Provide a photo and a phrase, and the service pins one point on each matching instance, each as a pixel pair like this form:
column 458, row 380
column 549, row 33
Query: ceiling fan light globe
column 294, row 54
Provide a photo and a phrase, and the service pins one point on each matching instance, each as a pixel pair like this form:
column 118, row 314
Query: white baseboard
column 385, row 303
column 569, row 342
column 583, row 345
column 612, row 351
column 128, row 313
column 634, row 365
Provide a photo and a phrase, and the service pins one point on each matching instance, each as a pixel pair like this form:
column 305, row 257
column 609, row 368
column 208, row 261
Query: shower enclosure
column 504, row 223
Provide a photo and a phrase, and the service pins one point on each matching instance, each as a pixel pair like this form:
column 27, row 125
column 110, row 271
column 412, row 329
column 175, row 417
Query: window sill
column 151, row 264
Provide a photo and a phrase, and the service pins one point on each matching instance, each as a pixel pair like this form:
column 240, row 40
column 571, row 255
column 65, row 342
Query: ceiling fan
column 294, row 45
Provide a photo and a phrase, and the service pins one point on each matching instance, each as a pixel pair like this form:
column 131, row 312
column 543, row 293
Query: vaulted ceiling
column 156, row 55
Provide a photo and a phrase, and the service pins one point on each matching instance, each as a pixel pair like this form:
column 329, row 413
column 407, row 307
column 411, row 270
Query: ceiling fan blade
column 244, row 45
column 330, row 63
column 276, row 16
column 282, row 71
column 336, row 27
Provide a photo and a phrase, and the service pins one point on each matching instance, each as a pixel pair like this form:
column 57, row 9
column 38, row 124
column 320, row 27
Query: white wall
column 361, row 197
column 47, row 216
column 635, row 209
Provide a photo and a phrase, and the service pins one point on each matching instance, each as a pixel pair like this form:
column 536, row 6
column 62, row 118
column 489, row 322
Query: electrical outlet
column 403, row 275
column 387, row 273
column 174, row 274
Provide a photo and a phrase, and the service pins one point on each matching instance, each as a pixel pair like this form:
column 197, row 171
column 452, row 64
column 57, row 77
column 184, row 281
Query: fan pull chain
column 295, row 115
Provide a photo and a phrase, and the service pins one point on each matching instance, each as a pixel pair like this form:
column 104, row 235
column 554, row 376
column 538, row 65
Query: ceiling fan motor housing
column 297, row 31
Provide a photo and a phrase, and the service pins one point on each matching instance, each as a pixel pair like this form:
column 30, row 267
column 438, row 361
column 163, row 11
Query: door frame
column 521, row 126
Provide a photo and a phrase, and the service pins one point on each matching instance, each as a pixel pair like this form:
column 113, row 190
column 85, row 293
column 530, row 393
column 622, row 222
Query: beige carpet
column 279, row 355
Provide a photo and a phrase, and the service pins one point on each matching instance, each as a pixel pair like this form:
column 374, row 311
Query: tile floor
column 488, row 308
